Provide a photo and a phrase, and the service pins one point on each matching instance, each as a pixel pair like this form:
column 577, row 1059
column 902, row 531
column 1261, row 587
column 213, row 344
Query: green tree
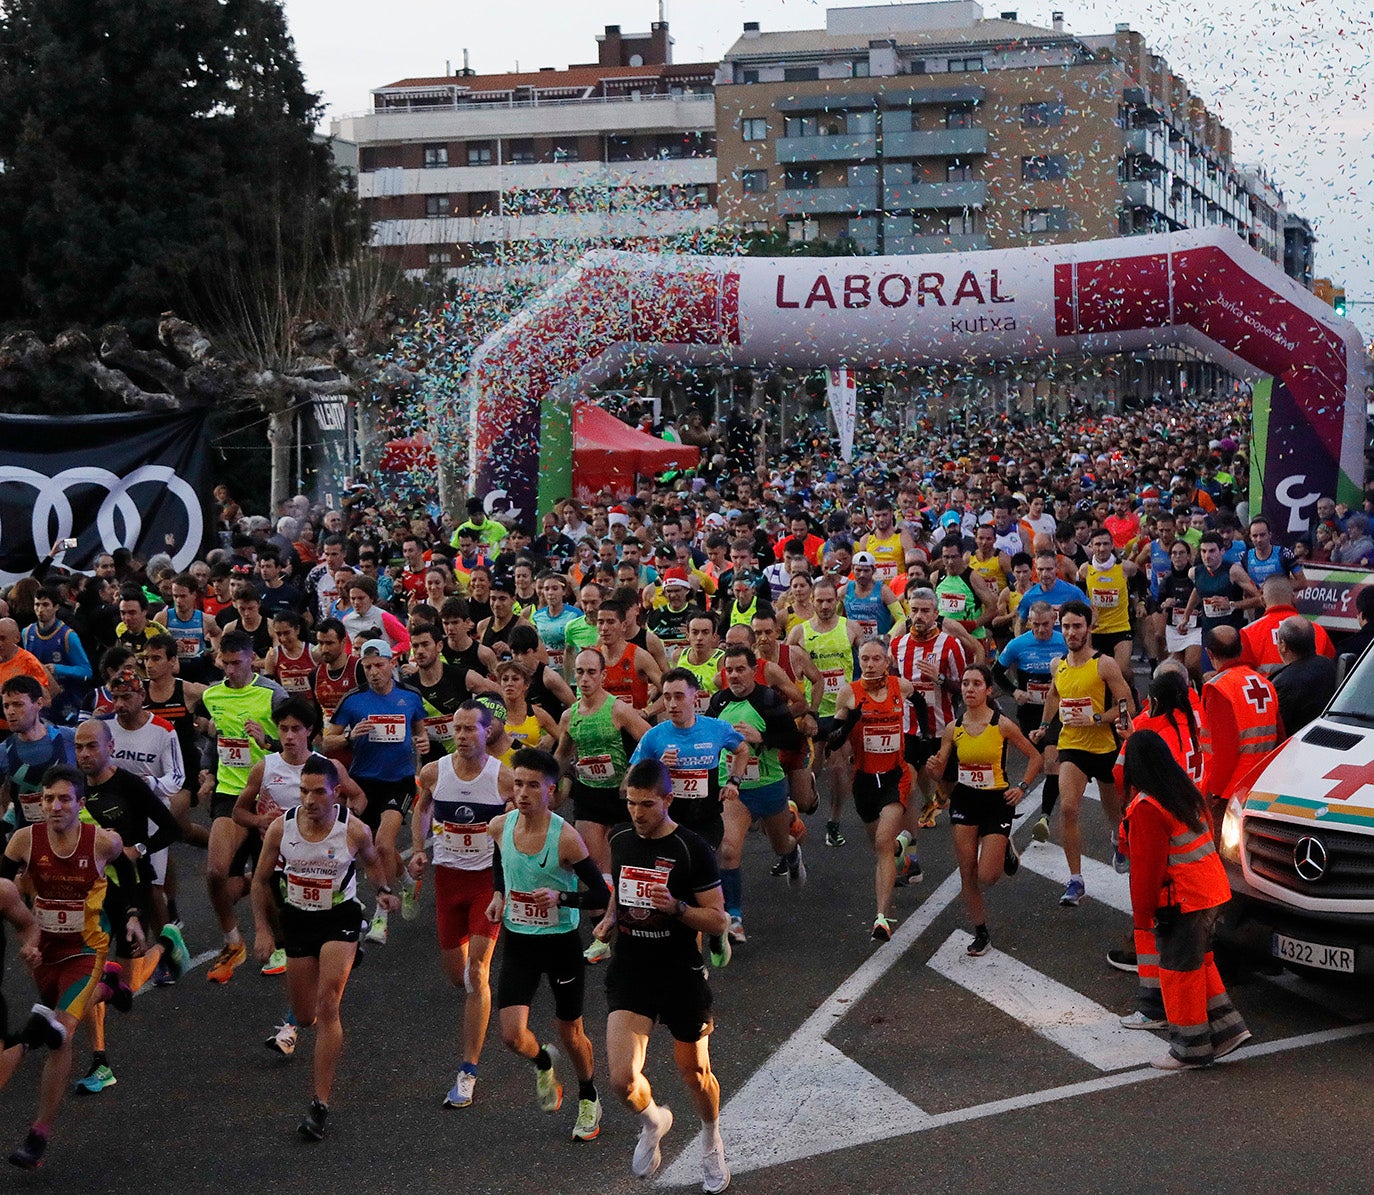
column 152, row 149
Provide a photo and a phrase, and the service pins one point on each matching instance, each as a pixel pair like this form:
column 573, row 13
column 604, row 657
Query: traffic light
column 1338, row 300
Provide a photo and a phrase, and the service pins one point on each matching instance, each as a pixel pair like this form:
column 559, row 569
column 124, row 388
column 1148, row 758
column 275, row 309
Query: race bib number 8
column 235, row 753
column 636, row 883
column 521, row 910
column 310, row 893
column 465, row 839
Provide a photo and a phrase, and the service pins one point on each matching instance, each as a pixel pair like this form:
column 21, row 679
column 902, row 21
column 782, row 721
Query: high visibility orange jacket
column 1241, row 711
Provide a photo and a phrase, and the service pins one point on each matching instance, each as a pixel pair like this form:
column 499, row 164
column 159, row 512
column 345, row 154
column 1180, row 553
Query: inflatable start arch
column 1205, row 288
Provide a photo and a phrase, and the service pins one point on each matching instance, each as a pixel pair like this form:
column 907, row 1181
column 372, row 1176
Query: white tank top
column 319, row 875
column 462, row 809
column 281, row 781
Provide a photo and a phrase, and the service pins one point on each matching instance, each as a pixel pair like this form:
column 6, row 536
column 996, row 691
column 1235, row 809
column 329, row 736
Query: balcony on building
column 935, row 143
column 930, row 196
column 837, row 147
column 820, row 201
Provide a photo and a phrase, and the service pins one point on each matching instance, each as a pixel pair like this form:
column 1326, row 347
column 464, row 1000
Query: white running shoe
column 715, row 1174
column 648, row 1155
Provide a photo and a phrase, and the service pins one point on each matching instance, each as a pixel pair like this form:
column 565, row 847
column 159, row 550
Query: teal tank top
column 525, row 873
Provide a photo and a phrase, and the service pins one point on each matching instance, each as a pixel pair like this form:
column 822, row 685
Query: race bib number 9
column 387, row 728
column 310, row 893
column 235, row 753
column 636, row 884
column 1076, row 711
column 59, row 916
column 521, row 910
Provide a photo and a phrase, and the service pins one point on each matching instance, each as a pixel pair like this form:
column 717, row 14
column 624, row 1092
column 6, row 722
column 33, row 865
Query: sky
column 1291, row 80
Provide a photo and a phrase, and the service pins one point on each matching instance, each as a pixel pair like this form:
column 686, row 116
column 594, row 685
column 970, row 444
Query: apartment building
column 919, row 128
column 620, row 152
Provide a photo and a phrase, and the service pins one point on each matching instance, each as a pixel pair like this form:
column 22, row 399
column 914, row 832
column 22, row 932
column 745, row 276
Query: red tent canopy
column 608, row 455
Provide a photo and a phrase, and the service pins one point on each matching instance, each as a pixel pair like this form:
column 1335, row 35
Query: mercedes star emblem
column 1309, row 859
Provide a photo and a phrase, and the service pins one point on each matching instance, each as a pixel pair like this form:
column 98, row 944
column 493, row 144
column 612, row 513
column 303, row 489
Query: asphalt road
column 925, row 1071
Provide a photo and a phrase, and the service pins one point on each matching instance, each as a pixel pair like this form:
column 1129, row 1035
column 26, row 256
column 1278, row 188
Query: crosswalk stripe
column 1054, row 1011
column 1103, row 884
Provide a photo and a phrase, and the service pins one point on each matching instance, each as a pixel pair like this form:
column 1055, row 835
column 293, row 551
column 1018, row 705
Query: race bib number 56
column 636, row 883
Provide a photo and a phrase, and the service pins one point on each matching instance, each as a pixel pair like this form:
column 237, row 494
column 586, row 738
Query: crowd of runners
column 567, row 730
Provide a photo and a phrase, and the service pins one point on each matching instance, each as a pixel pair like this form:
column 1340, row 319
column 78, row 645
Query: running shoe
column 312, row 1128
column 377, row 927
column 175, row 957
column 796, row 872
column 1041, row 830
column 230, row 957
column 99, row 1078
column 648, row 1156
column 1140, row 1020
column 597, row 952
column 588, row 1126
column 909, row 871
column 736, row 932
column 882, row 929
column 929, row 813
column 283, row 1041
column 460, row 1094
column 29, row 1156
column 1169, row 1063
column 1123, row 960
column 1074, row 892
column 715, row 1174
column 833, row 836
column 1231, row 1044
column 43, row 1029
column 721, row 950
column 276, row 964
column 798, row 827
column 981, row 944
column 779, row 868
column 546, row 1085
column 1120, row 863
column 1011, row 861
column 899, row 848
column 121, row 995
column 410, row 902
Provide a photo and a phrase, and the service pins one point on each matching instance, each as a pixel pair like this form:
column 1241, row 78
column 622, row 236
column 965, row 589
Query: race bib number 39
column 521, row 910
column 441, row 727
column 636, row 883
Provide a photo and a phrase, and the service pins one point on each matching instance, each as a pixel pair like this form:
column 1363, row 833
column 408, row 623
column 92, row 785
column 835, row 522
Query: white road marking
column 1103, row 884
column 1044, row 1005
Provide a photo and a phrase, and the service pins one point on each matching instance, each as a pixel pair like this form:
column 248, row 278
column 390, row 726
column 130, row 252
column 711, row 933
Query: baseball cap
column 950, row 519
column 375, row 647
column 676, row 578
column 715, row 519
column 865, row 558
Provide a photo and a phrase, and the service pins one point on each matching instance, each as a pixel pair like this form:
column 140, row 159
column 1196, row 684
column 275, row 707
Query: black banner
column 107, row 481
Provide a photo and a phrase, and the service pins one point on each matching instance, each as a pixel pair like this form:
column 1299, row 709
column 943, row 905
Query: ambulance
column 1298, row 838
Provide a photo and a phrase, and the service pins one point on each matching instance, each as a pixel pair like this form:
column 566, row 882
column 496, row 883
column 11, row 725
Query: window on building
column 803, row 230
column 1047, row 219
column 754, row 129
column 858, row 69
column 483, row 203
column 749, row 76
column 861, row 122
column 437, row 205
column 1042, row 166
column 959, row 118
column 801, row 177
column 964, row 223
column 757, row 226
column 965, row 64
column 753, row 181
column 480, row 154
column 367, row 159
column 801, row 126
column 1043, row 115
column 862, row 176
column 520, row 153
column 440, row 257
column 800, row 74
column 436, row 156
column 958, row 172
column 619, row 149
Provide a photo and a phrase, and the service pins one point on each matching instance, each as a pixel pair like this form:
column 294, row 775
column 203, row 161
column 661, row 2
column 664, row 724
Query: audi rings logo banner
column 106, row 481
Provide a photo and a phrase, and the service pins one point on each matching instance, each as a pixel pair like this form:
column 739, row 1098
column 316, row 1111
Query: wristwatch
column 737, row 781
column 681, row 909
column 141, row 849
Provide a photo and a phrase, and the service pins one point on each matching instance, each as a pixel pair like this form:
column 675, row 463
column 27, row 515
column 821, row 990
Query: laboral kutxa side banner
column 105, row 481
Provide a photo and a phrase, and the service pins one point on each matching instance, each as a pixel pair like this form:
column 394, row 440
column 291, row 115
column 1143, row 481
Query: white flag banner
column 844, row 405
